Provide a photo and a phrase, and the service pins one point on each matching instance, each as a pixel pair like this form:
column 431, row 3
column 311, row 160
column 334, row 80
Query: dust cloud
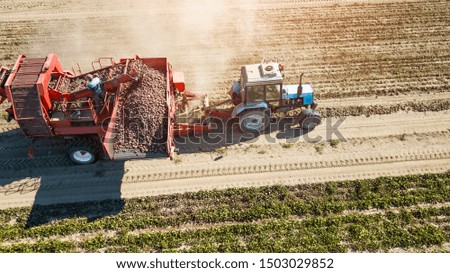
column 198, row 37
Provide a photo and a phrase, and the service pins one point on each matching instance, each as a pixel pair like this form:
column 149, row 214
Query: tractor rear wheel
column 83, row 150
column 310, row 119
column 254, row 121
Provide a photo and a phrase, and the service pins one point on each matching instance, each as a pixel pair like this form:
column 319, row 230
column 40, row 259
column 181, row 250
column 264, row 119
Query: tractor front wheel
column 83, row 150
column 254, row 121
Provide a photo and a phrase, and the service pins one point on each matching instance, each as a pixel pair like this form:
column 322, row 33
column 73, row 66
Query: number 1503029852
column 296, row 263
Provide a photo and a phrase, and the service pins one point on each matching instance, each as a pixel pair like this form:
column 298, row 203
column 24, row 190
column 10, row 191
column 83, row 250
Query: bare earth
column 354, row 53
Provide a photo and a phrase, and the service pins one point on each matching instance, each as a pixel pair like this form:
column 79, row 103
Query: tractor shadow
column 287, row 130
column 227, row 133
column 57, row 188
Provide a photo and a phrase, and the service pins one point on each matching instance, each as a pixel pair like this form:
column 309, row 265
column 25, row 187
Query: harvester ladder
column 79, row 70
column 99, row 61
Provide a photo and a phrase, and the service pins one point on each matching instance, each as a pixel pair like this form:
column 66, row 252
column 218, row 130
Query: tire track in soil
column 285, row 178
column 140, row 171
column 99, row 190
column 262, row 167
column 21, row 164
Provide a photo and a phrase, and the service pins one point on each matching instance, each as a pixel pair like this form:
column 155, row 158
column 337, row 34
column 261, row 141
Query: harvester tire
column 254, row 121
column 83, row 150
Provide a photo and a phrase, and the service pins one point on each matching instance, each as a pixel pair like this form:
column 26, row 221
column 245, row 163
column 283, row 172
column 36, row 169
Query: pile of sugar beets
column 141, row 124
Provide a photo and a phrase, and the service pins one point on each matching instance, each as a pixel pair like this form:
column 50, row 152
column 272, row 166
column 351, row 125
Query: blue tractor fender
column 241, row 108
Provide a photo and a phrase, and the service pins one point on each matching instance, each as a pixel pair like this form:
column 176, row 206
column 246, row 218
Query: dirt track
column 379, row 145
column 354, row 53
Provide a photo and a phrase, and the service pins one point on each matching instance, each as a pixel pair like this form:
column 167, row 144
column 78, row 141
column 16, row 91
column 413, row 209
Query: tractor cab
column 259, row 83
column 260, row 92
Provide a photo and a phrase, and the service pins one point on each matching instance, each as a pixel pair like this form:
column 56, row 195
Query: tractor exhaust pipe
column 300, row 88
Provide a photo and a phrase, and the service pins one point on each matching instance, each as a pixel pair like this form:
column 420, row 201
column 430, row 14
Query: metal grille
column 26, row 98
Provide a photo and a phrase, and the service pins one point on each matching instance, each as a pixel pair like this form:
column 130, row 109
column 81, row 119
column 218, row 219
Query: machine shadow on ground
column 227, row 133
column 59, row 189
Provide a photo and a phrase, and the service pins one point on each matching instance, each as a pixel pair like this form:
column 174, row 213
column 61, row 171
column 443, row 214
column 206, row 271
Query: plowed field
column 380, row 70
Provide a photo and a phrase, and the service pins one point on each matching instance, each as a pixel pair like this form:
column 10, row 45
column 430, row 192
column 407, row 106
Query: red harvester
column 34, row 87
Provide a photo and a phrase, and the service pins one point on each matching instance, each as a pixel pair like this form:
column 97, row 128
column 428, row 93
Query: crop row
column 334, row 233
column 359, row 110
column 232, row 204
column 235, row 206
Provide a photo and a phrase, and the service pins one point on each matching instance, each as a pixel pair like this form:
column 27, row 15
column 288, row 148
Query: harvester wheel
column 310, row 119
column 83, row 150
column 254, row 121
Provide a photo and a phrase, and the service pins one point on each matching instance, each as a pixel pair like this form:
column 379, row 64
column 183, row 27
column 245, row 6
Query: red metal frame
column 3, row 96
column 217, row 113
column 10, row 80
column 182, row 129
column 103, row 125
column 49, row 98
column 108, row 140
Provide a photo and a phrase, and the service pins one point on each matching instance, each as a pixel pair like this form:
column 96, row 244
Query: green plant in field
column 331, row 188
column 178, row 160
column 327, row 217
column 334, row 143
column 250, row 147
column 402, row 137
column 320, row 147
column 222, row 151
column 287, row 145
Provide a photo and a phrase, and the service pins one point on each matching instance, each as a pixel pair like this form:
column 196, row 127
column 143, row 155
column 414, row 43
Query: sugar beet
column 141, row 122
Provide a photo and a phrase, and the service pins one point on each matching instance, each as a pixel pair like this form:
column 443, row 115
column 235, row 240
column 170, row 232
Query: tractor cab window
column 255, row 93
column 272, row 92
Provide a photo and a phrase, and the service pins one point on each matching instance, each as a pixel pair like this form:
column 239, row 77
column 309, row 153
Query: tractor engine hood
column 307, row 92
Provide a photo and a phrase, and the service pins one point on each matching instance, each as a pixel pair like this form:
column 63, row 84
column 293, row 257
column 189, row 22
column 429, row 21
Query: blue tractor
column 260, row 93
